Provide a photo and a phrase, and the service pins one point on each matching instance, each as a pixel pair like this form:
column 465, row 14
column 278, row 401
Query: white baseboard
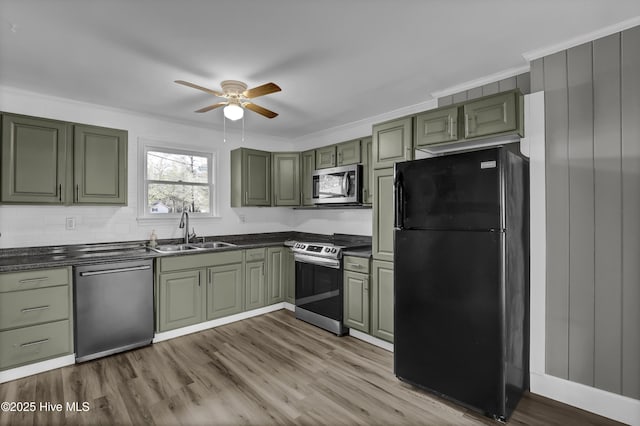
column 160, row 337
column 370, row 339
column 607, row 404
column 289, row 307
column 38, row 367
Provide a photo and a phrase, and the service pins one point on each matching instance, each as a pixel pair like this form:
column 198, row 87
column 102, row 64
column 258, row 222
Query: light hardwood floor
column 271, row 369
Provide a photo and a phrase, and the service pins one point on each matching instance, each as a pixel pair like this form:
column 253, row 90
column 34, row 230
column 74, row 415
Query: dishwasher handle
column 114, row 271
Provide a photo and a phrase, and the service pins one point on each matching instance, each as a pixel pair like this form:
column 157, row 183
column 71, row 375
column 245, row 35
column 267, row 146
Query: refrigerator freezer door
column 460, row 191
column 448, row 315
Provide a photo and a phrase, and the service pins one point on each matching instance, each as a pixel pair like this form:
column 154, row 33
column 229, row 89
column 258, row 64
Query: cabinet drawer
column 15, row 281
column 254, row 254
column 29, row 307
column 356, row 264
column 35, row 343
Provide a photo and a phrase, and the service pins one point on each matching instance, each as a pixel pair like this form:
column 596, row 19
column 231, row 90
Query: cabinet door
column 224, row 290
column 487, row 116
column 306, row 179
column 392, row 142
column 326, row 157
column 437, row 126
column 254, row 285
column 100, row 165
column 382, row 300
column 348, row 153
column 356, row 301
column 180, row 299
column 276, row 275
column 286, row 178
column 382, row 241
column 250, row 178
column 290, row 273
column 367, row 171
column 34, row 159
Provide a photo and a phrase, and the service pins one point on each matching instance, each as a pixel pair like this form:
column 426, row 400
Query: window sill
column 146, row 220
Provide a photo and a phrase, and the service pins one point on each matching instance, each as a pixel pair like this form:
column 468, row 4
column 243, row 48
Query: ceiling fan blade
column 262, row 111
column 204, row 89
column 265, row 89
column 210, row 107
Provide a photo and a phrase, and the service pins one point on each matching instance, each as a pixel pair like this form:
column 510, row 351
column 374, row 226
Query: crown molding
column 471, row 84
column 582, row 39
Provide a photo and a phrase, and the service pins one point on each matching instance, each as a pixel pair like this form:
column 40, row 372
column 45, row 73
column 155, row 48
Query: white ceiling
column 336, row 61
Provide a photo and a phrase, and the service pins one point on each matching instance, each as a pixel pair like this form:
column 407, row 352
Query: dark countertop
column 21, row 259
column 360, row 252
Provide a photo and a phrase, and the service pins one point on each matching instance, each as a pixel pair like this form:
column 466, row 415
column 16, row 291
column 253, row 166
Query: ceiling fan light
column 233, row 112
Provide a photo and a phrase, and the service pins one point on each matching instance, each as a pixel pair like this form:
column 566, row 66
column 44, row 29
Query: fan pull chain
column 243, row 129
column 224, row 127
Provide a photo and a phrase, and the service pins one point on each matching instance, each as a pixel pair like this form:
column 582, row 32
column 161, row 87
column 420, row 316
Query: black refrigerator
column 461, row 285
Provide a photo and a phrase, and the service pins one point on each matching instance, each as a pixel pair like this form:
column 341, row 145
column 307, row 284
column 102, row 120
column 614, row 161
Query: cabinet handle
column 37, row 308
column 366, row 284
column 37, row 342
column 77, row 193
column 451, row 127
column 246, row 197
column 355, row 265
column 60, row 192
column 32, row 280
column 467, row 127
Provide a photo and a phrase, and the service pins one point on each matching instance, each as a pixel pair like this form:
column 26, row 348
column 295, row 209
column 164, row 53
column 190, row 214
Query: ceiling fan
column 238, row 97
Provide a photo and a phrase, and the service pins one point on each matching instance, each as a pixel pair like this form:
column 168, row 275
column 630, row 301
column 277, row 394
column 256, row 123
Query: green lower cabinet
column 36, row 343
column 356, row 301
column 180, row 299
column 254, row 295
column 277, row 275
column 224, row 290
column 290, row 270
column 382, row 300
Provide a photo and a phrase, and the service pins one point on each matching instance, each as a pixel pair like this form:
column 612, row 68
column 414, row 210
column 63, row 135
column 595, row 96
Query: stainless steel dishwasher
column 113, row 307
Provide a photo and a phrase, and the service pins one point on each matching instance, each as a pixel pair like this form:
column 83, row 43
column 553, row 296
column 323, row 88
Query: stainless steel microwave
column 338, row 185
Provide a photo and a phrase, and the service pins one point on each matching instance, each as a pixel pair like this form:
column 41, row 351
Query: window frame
column 212, row 169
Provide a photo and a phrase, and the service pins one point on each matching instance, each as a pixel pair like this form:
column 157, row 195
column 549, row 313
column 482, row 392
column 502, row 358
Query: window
column 177, row 181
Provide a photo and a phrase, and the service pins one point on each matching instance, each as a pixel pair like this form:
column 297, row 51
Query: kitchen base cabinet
column 224, row 291
column 356, row 301
column 290, row 270
column 181, row 295
column 36, row 317
column 277, row 275
column 254, row 278
column 382, row 300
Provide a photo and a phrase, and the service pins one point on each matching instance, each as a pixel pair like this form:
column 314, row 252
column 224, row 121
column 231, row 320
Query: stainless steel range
column 319, row 297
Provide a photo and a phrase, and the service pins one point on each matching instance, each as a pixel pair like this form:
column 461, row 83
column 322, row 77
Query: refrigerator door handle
column 398, row 202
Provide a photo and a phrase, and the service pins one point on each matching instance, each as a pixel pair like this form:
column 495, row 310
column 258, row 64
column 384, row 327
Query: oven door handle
column 315, row 260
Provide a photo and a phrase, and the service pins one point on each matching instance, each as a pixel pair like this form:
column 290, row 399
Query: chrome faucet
column 184, row 223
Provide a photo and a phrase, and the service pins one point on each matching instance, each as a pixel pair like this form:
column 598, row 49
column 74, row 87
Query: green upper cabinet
column 392, row 142
column 308, row 159
column 224, row 290
column 100, row 165
column 52, row 162
column 276, row 275
column 326, row 157
column 382, row 241
column 286, row 178
column 34, row 158
column 500, row 113
column 250, row 178
column 348, row 153
column 367, row 170
column 437, row 126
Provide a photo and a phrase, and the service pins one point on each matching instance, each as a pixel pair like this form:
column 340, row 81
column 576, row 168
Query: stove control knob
column 327, row 249
column 333, row 250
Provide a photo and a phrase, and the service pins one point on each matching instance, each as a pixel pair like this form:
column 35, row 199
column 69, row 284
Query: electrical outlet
column 70, row 223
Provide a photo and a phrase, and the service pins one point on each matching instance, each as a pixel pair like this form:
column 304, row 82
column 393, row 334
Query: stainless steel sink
column 212, row 245
column 172, row 248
